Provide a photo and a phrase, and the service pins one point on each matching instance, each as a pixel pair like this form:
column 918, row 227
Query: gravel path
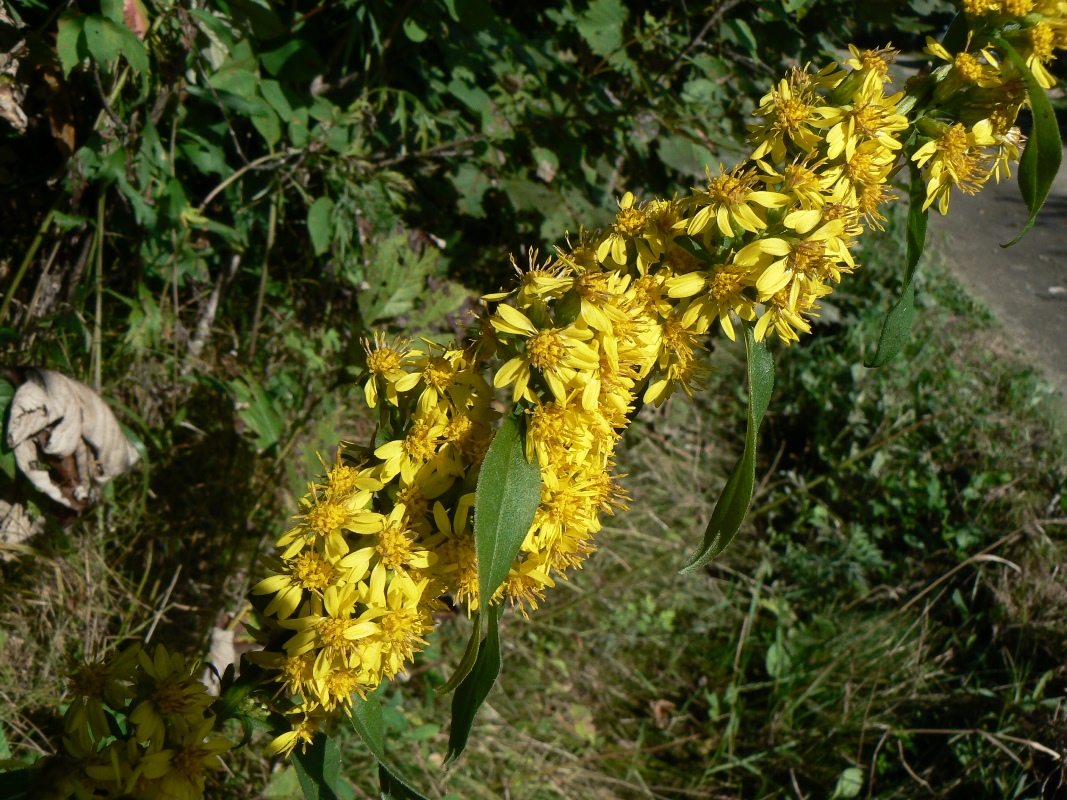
column 1024, row 285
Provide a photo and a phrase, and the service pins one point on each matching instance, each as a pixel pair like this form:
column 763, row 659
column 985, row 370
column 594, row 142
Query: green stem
column 272, row 223
column 28, row 259
column 99, row 291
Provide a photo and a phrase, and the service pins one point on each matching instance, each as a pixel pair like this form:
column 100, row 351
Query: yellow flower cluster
column 382, row 536
column 162, row 749
column 615, row 319
column 968, row 133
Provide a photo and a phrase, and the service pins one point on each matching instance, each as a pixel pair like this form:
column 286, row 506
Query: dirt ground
column 1024, row 285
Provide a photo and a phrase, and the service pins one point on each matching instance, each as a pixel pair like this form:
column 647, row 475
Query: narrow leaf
column 367, row 720
column 319, row 227
column 897, row 323
column 475, row 688
column 470, row 655
column 318, row 768
column 1043, row 153
column 507, row 496
column 736, row 497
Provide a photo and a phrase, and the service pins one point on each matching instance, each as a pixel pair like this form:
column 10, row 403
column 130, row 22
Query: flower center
column 725, row 285
column 313, row 571
column 545, row 349
column 168, row 698
column 383, row 360
column 439, row 373
column 394, row 547
column 630, row 221
column 325, row 518
column 332, row 632
column 420, row 444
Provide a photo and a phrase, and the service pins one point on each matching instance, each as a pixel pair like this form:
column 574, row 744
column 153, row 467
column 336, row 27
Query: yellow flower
column 955, row 158
column 174, row 697
column 301, row 734
column 329, row 624
column 385, row 365
column 106, row 681
column 721, row 296
column 726, row 204
column 405, row 457
column 792, row 111
column 557, row 354
column 179, row 771
column 629, row 226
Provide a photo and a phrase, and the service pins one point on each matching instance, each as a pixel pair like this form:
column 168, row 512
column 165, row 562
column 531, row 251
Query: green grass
column 889, row 621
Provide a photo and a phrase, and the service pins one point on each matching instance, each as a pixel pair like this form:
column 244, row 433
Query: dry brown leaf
column 16, row 526
column 66, row 438
column 12, row 92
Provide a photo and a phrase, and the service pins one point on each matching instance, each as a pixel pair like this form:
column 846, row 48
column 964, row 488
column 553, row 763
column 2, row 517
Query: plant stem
column 28, row 259
column 99, row 290
column 272, row 223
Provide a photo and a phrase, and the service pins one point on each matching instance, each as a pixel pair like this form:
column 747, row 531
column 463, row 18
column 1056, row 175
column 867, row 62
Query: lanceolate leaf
column 470, row 655
column 898, row 322
column 318, row 768
column 509, row 490
column 736, row 497
column 367, row 720
column 475, row 688
column 1041, row 157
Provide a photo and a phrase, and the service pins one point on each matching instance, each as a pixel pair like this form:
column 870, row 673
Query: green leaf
column 266, row 122
column 367, row 720
column 470, row 655
column 255, row 408
column 1043, row 153
column 413, row 31
column 296, row 61
column 736, row 497
column 318, row 768
column 320, row 229
column 472, row 692
column 107, row 40
column 507, row 496
column 849, row 784
column 70, row 42
column 601, row 26
column 898, row 322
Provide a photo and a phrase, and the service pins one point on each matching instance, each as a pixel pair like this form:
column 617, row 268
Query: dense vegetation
column 269, row 183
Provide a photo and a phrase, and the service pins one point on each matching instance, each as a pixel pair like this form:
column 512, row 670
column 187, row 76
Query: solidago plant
column 457, row 498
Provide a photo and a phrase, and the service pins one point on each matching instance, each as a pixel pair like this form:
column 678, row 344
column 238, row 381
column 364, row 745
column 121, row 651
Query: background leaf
column 320, row 228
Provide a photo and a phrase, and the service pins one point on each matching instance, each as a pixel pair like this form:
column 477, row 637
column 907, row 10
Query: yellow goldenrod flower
column 795, row 112
column 955, row 158
column 174, row 696
column 727, row 204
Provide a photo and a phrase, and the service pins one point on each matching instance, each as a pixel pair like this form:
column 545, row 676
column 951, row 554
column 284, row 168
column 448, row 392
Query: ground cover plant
column 392, row 614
